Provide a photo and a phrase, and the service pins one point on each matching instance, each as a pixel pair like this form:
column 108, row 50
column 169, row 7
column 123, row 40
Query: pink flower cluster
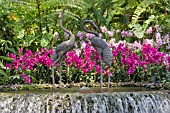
column 27, row 78
column 168, row 61
column 130, row 59
column 109, row 33
column 86, row 62
column 152, row 55
column 29, row 60
column 127, row 33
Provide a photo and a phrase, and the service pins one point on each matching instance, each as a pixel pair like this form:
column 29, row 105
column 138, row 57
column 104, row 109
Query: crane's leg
column 101, row 70
column 60, row 72
column 109, row 74
column 53, row 80
column 108, row 82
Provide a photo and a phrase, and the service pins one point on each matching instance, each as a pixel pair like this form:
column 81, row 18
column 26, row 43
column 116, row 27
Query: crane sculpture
column 62, row 49
column 103, row 49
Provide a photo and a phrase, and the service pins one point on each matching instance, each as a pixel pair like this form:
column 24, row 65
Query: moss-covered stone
column 148, row 86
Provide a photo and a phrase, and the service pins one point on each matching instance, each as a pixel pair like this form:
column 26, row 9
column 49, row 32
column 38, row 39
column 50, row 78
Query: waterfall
column 116, row 102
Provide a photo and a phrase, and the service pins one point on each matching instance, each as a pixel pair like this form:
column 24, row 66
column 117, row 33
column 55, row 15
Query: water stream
column 76, row 102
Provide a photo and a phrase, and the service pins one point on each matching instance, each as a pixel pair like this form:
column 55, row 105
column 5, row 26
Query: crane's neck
column 72, row 37
column 64, row 29
column 88, row 31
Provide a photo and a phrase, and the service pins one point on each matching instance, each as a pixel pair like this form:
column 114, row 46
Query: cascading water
column 116, row 102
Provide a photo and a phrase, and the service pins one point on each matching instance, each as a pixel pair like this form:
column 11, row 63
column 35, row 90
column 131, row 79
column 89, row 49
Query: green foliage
column 146, row 13
column 6, row 58
column 139, row 30
column 34, row 22
column 4, row 74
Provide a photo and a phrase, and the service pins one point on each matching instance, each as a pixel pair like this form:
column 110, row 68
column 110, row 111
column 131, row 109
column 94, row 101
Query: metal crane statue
column 62, row 48
column 102, row 48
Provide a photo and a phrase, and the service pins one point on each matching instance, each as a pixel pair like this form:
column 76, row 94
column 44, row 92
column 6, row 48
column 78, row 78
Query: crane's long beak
column 60, row 15
column 96, row 27
column 64, row 10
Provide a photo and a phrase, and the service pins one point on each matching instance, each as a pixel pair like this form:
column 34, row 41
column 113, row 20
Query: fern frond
column 148, row 21
column 58, row 11
column 54, row 5
column 142, row 7
column 20, row 2
column 139, row 30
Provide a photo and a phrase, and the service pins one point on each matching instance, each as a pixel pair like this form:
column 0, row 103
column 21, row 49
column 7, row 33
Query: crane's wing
column 98, row 43
column 107, row 56
column 64, row 47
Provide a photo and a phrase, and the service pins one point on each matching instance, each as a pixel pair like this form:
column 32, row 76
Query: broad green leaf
column 6, row 58
column 5, row 41
column 12, row 50
column 1, row 65
column 3, row 73
column 46, row 39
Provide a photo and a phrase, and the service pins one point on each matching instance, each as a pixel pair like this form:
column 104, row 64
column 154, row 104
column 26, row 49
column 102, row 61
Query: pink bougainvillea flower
column 103, row 29
column 131, row 70
column 80, row 35
column 20, row 50
column 16, row 63
column 51, row 51
column 11, row 55
column 124, row 33
column 98, row 68
column 158, row 35
column 85, row 70
column 56, row 36
column 168, row 60
column 49, row 62
column 90, row 65
column 137, row 45
column 130, row 33
column 22, row 75
column 109, row 74
column 79, row 63
column 149, row 30
column 148, row 41
column 78, row 51
column 156, row 27
column 27, row 78
column 89, row 35
column 43, row 49
column 83, row 44
column 7, row 66
column 112, row 42
column 158, row 42
column 110, row 33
